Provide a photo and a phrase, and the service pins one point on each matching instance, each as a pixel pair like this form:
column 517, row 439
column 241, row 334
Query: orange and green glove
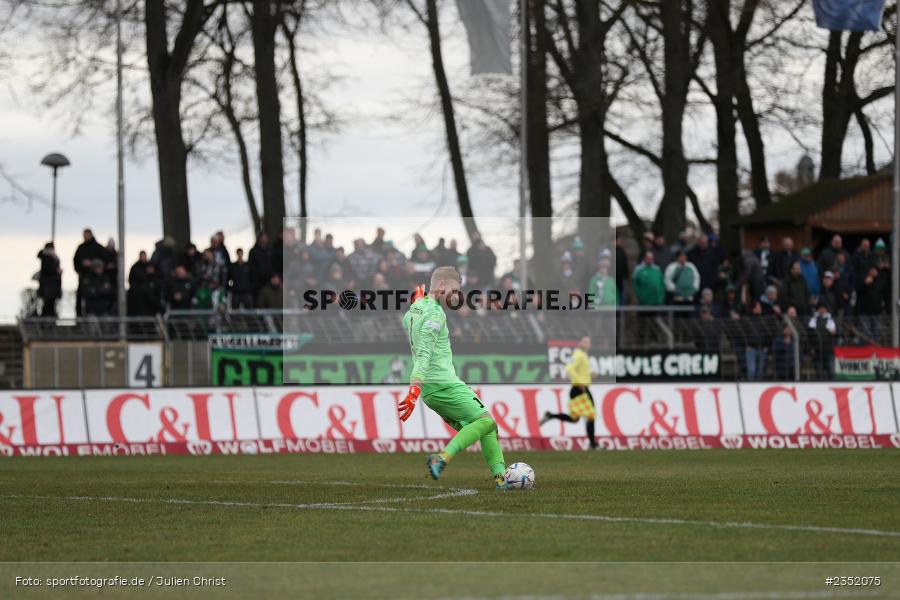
column 408, row 404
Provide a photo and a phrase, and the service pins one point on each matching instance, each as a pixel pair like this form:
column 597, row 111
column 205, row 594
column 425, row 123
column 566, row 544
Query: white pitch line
column 478, row 513
column 454, row 492
column 397, row 486
column 360, row 505
column 643, row 520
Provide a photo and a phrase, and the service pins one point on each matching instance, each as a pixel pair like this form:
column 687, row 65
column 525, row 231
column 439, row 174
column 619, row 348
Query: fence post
column 170, row 362
column 31, row 367
column 670, row 336
column 796, row 336
column 208, row 356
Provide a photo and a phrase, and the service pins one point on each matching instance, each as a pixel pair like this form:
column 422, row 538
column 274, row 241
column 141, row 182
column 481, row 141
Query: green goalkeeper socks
column 493, row 454
column 484, row 429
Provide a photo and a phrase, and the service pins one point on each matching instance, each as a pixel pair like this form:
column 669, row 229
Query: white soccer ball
column 520, row 476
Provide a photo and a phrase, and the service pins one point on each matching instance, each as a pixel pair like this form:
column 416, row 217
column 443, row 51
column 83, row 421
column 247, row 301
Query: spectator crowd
column 746, row 296
column 215, row 279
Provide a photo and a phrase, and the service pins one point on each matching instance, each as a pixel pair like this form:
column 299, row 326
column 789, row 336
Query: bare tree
column 291, row 20
column 841, row 100
column 718, row 25
column 229, row 74
column 741, row 46
column 680, row 64
column 578, row 47
column 732, row 45
column 671, row 24
column 198, row 60
column 167, row 67
column 429, row 18
column 657, row 161
column 73, row 71
column 538, row 141
column 265, row 19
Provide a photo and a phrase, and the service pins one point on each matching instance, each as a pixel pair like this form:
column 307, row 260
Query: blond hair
column 442, row 274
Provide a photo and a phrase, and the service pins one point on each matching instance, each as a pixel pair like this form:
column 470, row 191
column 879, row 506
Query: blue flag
column 849, row 15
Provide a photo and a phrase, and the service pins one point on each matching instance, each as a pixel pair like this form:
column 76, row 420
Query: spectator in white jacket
column 823, row 331
column 682, row 280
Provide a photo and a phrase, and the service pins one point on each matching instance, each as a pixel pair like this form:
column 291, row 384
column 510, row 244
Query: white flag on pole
column 488, row 28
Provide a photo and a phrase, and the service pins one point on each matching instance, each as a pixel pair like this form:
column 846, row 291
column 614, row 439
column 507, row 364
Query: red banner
column 424, row 446
column 351, row 419
column 818, row 408
column 42, row 417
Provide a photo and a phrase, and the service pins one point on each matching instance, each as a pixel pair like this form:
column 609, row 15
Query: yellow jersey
column 579, row 369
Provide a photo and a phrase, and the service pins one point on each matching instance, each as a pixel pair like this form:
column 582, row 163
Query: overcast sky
column 372, row 167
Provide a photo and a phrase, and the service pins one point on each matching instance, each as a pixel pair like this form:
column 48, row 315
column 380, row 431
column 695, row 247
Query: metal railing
column 751, row 347
column 11, row 357
column 634, row 325
column 45, row 329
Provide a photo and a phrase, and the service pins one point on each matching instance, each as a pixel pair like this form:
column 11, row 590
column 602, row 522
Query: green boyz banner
column 234, row 367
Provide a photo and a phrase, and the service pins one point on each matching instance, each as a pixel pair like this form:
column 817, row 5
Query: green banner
column 254, row 367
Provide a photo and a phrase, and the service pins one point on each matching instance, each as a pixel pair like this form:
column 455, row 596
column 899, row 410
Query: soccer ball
column 520, row 476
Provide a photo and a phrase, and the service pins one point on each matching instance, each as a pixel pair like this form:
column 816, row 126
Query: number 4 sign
column 145, row 365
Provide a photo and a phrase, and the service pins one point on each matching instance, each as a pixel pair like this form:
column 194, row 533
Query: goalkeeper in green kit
column 434, row 378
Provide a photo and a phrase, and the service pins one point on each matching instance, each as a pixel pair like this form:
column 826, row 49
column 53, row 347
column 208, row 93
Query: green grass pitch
column 764, row 506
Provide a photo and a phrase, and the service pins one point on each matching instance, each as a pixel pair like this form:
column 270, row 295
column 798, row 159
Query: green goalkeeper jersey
column 426, row 326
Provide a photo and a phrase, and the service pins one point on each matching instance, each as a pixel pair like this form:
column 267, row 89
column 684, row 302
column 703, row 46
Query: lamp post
column 523, row 149
column 55, row 161
column 895, row 229
column 120, row 176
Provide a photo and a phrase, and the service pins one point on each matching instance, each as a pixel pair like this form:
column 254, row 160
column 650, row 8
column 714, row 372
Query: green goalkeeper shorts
column 456, row 403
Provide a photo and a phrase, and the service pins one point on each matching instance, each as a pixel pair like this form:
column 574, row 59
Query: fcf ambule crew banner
column 363, row 418
column 641, row 366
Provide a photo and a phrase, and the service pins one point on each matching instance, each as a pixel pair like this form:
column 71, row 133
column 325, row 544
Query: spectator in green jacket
column 648, row 282
column 270, row 297
column 602, row 286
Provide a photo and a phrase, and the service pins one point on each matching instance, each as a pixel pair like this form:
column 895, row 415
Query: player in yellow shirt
column 581, row 402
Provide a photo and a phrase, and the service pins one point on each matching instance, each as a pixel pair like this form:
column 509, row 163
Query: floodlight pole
column 53, row 210
column 523, row 150
column 120, row 185
column 55, row 161
column 895, row 230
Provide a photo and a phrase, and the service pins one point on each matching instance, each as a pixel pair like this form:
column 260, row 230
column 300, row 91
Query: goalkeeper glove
column 418, row 294
column 408, row 404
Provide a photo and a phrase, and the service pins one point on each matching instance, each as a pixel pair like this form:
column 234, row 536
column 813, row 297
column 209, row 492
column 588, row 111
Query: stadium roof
column 797, row 207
